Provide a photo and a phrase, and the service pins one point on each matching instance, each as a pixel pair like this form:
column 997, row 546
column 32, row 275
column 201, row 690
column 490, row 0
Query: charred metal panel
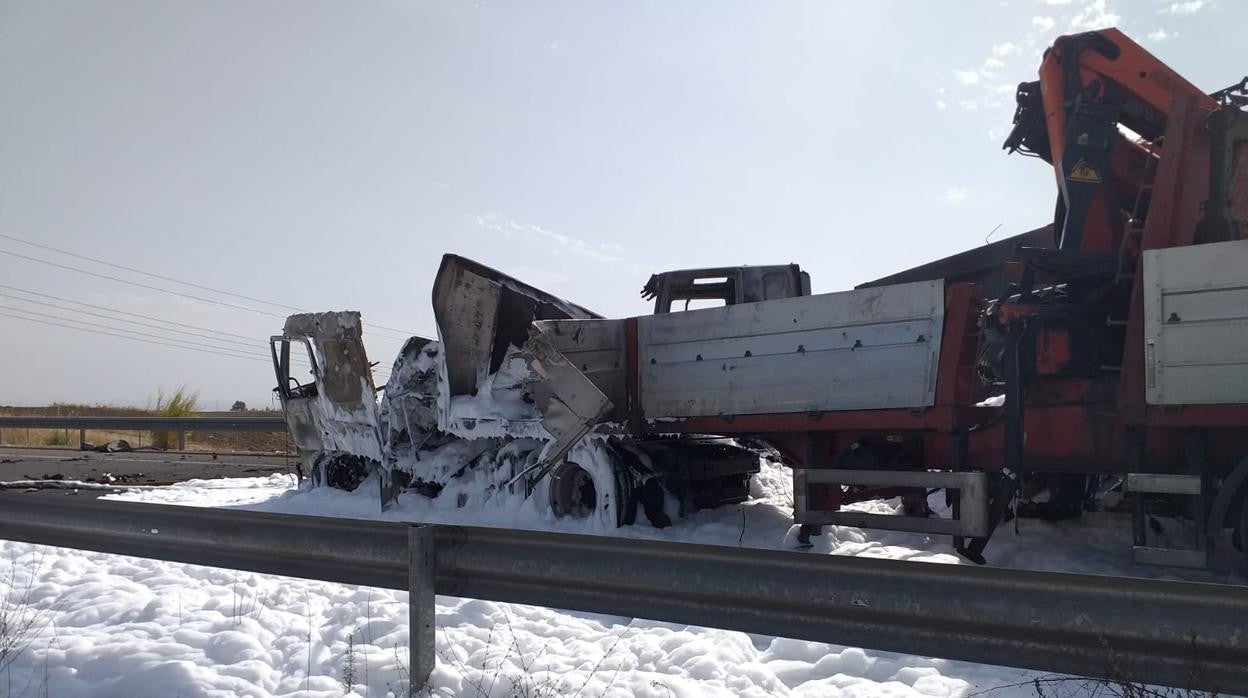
column 345, row 366
column 983, row 265
column 596, row 348
column 481, row 312
column 569, row 402
column 305, row 429
column 731, row 285
column 874, row 348
column 1195, row 324
column 344, row 405
column 465, row 306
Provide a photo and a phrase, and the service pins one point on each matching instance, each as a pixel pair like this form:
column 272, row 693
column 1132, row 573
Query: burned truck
column 1102, row 353
column 522, row 394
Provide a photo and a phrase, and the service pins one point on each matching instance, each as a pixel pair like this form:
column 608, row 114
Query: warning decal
column 1083, row 173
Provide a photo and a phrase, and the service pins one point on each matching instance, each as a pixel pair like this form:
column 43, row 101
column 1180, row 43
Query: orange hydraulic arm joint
column 1090, row 83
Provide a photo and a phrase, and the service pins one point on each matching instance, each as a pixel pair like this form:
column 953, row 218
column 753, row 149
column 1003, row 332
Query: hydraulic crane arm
column 1091, row 83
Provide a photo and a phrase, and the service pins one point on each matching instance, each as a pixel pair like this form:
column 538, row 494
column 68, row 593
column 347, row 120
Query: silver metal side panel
column 1196, row 324
column 873, row 348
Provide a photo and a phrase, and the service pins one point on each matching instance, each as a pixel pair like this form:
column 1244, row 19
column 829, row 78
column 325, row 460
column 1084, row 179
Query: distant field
column 257, row 442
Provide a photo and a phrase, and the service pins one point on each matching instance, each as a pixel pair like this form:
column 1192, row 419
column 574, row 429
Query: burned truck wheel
column 574, row 491
column 343, row 471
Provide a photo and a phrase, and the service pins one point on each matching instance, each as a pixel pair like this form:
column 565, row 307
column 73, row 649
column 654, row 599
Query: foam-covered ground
column 116, row 626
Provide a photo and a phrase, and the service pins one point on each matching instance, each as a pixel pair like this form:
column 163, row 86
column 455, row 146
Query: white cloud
column 940, row 104
column 1159, row 35
column 1007, row 88
column 966, row 77
column 993, row 64
column 1056, row 2
column 1183, row 8
column 1095, row 15
column 507, row 228
column 969, row 105
column 1043, row 23
column 1004, row 49
column 955, row 195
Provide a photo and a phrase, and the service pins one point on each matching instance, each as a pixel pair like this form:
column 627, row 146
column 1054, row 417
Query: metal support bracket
column 421, row 609
column 1158, row 483
column 972, row 520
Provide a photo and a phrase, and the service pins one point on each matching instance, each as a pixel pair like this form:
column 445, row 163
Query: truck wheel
column 572, row 491
column 576, row 492
column 343, row 471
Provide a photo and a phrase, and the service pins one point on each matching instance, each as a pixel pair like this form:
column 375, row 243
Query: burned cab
column 327, row 394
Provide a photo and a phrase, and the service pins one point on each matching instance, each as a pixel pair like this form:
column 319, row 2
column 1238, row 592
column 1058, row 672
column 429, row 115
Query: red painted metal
column 956, row 381
column 1178, row 189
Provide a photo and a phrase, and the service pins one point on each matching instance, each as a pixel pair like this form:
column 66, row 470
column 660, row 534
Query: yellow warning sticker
column 1083, row 173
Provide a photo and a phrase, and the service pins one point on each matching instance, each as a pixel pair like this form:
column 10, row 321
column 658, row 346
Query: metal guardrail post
column 181, row 440
column 82, row 438
column 420, row 606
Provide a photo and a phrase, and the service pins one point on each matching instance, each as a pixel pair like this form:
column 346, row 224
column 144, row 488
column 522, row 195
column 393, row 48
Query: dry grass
column 182, row 403
column 520, row 672
column 21, row 622
column 1050, row 686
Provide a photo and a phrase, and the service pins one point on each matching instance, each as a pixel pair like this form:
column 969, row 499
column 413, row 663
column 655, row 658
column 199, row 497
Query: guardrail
column 178, row 424
column 1174, row 633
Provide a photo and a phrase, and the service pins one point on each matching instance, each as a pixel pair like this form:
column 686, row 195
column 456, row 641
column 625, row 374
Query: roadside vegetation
column 22, row 622
column 180, row 403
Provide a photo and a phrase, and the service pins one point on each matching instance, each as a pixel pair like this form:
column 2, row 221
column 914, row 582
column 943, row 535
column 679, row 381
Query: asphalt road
column 134, row 468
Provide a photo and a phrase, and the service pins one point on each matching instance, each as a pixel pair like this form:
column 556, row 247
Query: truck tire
column 1243, row 529
column 572, row 491
column 1229, row 503
column 343, row 471
column 575, row 492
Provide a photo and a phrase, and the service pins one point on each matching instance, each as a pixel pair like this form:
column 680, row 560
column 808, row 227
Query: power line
column 141, row 285
column 145, row 273
column 172, row 342
column 122, row 312
column 135, row 339
column 175, row 280
column 236, row 352
column 136, row 335
column 149, row 287
column 250, row 341
column 250, row 344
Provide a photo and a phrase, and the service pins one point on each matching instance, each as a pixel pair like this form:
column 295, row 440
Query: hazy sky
column 324, row 155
